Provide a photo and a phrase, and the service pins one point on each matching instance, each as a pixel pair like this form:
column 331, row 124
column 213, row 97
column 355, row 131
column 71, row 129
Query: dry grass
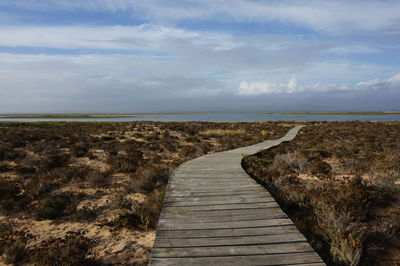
column 223, row 132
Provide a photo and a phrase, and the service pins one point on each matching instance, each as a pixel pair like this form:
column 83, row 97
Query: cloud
column 258, row 88
column 262, row 87
column 392, row 83
column 260, row 45
column 161, row 49
column 133, row 83
column 142, row 37
column 334, row 17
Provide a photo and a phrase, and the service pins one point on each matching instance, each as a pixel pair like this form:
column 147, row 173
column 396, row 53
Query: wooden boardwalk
column 215, row 214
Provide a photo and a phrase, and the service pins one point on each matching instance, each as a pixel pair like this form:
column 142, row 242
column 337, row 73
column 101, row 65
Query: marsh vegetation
column 340, row 184
column 91, row 193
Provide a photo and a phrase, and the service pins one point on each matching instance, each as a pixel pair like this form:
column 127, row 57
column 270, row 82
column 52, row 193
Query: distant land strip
column 92, row 116
column 69, row 117
column 335, row 113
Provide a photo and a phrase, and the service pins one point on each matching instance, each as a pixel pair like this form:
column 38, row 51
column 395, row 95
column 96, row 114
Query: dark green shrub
column 188, row 151
column 52, row 160
column 11, row 197
column 83, row 215
column 71, row 250
column 79, row 149
column 7, row 152
column 192, row 139
column 127, row 218
column 122, row 164
column 74, row 174
column 55, row 206
column 12, row 243
column 24, row 169
column 133, row 153
column 5, row 167
column 40, row 187
column 97, row 179
column 148, row 179
column 143, row 216
column 14, row 252
column 318, row 167
column 91, row 156
column 107, row 138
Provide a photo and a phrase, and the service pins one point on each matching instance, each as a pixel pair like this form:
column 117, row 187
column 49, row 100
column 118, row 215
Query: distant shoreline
column 202, row 116
column 70, row 117
column 93, row 116
column 335, row 113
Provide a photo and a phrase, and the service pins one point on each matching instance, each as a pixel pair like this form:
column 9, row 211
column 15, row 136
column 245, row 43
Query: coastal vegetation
column 340, row 184
column 91, row 193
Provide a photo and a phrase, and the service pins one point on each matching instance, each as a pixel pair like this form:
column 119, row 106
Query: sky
column 126, row 56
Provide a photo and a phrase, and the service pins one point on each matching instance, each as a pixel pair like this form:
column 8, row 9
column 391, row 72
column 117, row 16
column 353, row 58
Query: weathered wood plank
column 225, row 218
column 275, row 248
column 215, row 201
column 308, row 258
column 218, row 191
column 223, row 207
column 221, row 212
column 223, row 241
column 179, row 225
column 226, row 232
column 214, row 188
column 220, row 197
column 175, row 194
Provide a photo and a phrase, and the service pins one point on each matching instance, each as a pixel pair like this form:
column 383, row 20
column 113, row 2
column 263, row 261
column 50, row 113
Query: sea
column 217, row 117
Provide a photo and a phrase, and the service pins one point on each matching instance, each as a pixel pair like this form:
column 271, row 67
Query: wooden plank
column 205, row 188
column 177, row 225
column 226, row 232
column 211, row 186
column 216, row 182
column 224, row 207
column 223, row 241
column 176, row 194
column 215, row 203
column 212, row 175
column 216, row 199
column 205, row 219
column 249, row 195
column 275, row 248
column 309, row 258
column 219, row 191
column 230, row 213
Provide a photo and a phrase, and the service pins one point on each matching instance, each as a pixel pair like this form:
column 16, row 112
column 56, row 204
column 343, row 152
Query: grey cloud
column 131, row 84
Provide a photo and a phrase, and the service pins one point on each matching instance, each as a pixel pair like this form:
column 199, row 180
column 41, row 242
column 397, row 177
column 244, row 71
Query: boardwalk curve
column 215, row 214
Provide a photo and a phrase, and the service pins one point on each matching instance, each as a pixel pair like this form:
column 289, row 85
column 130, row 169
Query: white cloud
column 143, row 37
column 258, row 88
column 392, row 83
column 394, row 80
column 204, row 54
column 262, row 87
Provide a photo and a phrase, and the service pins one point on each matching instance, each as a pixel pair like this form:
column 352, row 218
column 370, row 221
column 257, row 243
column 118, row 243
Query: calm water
column 229, row 117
